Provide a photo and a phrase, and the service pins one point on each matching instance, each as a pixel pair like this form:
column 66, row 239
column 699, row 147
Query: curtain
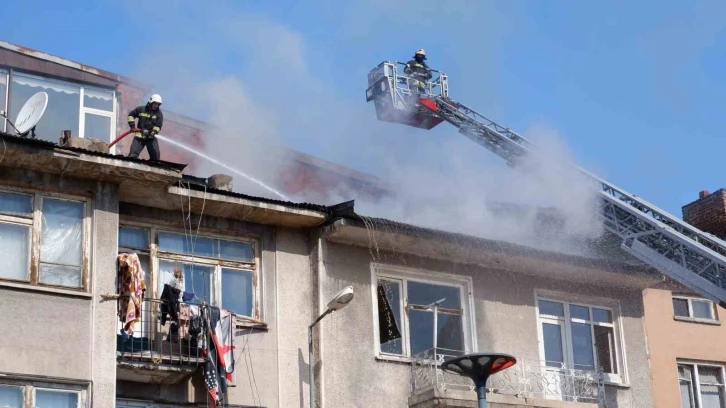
column 46, row 84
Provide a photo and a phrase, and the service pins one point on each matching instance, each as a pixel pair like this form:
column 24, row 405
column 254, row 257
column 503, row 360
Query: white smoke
column 282, row 95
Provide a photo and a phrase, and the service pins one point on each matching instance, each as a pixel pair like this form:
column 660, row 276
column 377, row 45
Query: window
column 701, row 385
column 693, row 308
column 41, row 395
column 405, row 303
column 58, row 225
column 578, row 336
column 219, row 271
column 84, row 110
column 3, row 96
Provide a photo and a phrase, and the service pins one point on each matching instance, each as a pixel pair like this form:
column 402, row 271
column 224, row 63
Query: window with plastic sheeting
column 37, row 394
column 57, row 224
column 417, row 313
column 701, row 385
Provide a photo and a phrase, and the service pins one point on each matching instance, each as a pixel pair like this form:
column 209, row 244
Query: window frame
column 35, row 223
column 80, row 132
column 6, row 97
column 691, row 317
column 621, row 377
column 156, row 255
column 30, row 387
column 404, row 274
column 696, row 383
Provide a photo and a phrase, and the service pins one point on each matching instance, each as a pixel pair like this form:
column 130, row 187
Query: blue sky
column 636, row 89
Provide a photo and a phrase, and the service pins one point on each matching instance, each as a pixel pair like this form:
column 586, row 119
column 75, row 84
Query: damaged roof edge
column 72, row 64
column 506, row 248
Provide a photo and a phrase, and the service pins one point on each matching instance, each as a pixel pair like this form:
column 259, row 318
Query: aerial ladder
column 686, row 254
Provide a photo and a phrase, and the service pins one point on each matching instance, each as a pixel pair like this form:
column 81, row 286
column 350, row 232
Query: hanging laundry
column 220, row 354
column 224, row 341
column 386, row 319
column 170, row 303
column 132, row 287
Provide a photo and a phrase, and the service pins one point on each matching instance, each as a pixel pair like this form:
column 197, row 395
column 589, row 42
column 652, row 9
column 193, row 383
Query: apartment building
column 685, row 331
column 576, row 324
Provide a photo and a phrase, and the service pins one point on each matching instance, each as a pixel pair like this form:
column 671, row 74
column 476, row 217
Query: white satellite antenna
column 30, row 114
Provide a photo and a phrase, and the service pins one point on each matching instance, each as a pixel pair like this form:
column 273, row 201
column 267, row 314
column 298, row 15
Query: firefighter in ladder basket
column 419, row 72
column 149, row 125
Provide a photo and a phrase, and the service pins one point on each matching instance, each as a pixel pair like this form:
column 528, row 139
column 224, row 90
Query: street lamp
column 339, row 301
column 479, row 367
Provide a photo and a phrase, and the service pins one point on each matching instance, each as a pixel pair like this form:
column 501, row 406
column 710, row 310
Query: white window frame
column 591, row 302
column 6, row 97
column 35, row 224
column 29, row 388
column 404, row 274
column 697, row 381
column 690, row 316
column 82, row 109
column 156, row 255
column 98, row 112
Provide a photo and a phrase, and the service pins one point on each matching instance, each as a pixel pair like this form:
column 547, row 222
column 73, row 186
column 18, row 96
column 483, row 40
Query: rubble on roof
column 85, row 143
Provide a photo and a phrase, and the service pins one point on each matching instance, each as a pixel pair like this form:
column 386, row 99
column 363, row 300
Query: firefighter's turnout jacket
column 419, row 71
column 148, row 120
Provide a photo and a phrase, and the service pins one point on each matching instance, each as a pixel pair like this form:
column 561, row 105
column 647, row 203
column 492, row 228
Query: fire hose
column 123, row 135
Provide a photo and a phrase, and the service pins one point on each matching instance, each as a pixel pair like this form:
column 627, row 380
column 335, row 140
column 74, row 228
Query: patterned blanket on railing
column 131, row 287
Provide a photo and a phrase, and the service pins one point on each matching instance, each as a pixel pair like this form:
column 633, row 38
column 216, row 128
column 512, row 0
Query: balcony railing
column 171, row 344
column 529, row 378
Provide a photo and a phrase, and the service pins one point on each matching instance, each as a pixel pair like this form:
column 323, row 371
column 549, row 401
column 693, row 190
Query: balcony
column 151, row 354
column 531, row 383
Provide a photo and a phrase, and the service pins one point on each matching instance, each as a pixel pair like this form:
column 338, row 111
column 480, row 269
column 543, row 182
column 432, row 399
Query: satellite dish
column 31, row 112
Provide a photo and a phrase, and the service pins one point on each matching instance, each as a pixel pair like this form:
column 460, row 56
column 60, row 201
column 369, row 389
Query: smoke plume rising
column 281, row 94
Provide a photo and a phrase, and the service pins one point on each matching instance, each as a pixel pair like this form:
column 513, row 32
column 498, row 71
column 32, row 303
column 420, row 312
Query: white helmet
column 421, row 51
column 155, row 98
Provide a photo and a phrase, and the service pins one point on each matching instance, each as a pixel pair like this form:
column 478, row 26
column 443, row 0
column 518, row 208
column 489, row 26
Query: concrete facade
column 673, row 340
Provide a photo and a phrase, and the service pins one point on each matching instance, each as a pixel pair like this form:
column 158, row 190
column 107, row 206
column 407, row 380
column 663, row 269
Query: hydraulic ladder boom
column 686, row 254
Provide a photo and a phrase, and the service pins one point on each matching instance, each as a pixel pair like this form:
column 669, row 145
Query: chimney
column 708, row 213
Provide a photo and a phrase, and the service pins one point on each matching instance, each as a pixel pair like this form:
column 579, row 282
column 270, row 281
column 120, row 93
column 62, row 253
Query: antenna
column 29, row 115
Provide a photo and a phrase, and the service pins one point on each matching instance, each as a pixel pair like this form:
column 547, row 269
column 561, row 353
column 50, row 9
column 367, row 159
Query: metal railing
column 529, row 378
column 180, row 344
column 402, row 83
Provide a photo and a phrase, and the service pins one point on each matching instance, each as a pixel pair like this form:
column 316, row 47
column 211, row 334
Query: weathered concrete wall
column 506, row 321
column 40, row 334
column 56, row 333
column 103, row 315
column 670, row 339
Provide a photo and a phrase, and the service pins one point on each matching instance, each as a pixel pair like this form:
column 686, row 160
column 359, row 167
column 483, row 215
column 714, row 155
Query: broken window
column 221, row 272
column 416, row 315
column 59, row 227
column 86, row 111
column 578, row 336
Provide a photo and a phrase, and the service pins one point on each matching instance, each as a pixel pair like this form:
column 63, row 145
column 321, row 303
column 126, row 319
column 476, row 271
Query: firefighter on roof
column 149, row 125
column 418, row 71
